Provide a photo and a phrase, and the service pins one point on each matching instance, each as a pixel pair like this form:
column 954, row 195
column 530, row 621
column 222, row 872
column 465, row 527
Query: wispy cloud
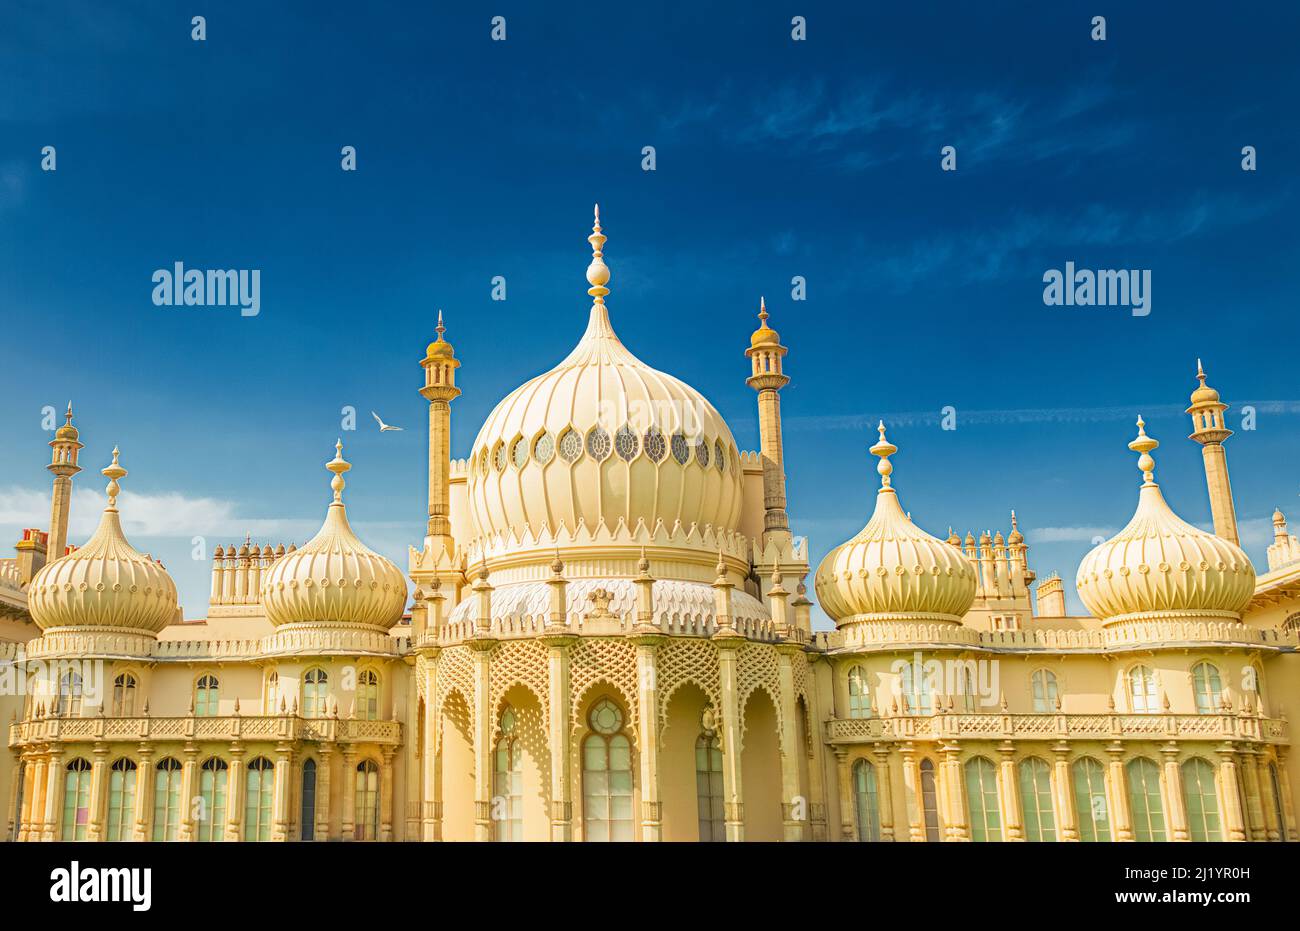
column 1068, row 534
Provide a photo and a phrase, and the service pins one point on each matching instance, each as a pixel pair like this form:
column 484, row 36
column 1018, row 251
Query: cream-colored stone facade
column 610, row 639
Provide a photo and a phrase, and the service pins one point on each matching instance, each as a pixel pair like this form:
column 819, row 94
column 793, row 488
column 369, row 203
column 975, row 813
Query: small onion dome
column 440, row 348
column 1161, row 565
column 1203, row 394
column 334, row 578
column 893, row 569
column 764, row 335
column 106, row 583
column 67, row 431
column 1016, row 537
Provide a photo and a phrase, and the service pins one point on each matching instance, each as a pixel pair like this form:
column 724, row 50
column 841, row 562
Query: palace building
column 607, row 636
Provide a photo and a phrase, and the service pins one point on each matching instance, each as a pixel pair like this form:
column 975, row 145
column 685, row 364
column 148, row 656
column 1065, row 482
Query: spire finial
column 67, row 418
column 762, row 311
column 597, row 271
column 1200, row 372
column 113, row 472
column 1144, row 444
column 884, row 449
column 440, row 328
column 338, row 465
column 1014, row 525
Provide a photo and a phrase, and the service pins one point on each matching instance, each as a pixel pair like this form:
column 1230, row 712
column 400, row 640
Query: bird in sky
column 383, row 427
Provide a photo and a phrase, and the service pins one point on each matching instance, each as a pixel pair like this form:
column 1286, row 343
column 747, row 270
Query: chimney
column 1051, row 597
column 32, row 553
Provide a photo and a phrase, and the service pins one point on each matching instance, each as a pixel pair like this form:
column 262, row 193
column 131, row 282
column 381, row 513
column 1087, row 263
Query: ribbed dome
column 1160, row 564
column 334, row 578
column 893, row 569
column 603, row 436
column 106, row 583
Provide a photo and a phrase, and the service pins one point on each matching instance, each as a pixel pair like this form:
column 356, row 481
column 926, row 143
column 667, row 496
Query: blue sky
column 775, row 158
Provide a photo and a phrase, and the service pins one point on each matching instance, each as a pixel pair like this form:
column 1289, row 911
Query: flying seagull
column 383, row 427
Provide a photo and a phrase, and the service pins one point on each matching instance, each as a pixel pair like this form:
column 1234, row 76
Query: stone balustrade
column 224, row 728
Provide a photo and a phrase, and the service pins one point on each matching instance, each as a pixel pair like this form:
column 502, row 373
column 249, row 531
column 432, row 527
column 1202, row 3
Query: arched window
column 1142, row 697
column 606, row 776
column 1036, row 799
column 272, row 702
column 508, row 782
column 315, row 693
column 982, row 796
column 69, row 702
column 918, row 695
column 1144, row 800
column 1043, row 682
column 76, row 799
column 205, row 697
column 929, row 801
column 367, row 814
column 307, row 816
column 213, row 779
column 1202, row 800
column 708, row 787
column 124, row 696
column 167, row 800
column 866, row 802
column 1090, row 800
column 859, row 694
column 121, row 800
column 1207, row 686
column 259, row 788
column 368, row 695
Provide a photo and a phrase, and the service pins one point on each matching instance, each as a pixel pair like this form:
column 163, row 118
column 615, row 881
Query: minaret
column 440, row 390
column 1209, row 430
column 765, row 353
column 63, row 465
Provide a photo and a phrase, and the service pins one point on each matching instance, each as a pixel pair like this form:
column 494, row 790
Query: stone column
column 912, row 793
column 1172, row 784
column 431, row 815
column 1233, row 817
column 817, row 765
column 282, row 786
column 733, row 791
column 189, row 773
column 558, row 738
column 1012, row 817
column 144, row 789
column 848, row 810
column 412, row 830
column 30, row 780
column 54, row 779
column 648, row 719
column 98, row 792
column 952, row 797
column 1121, row 818
column 14, row 815
column 1254, row 800
column 236, row 790
column 884, row 780
column 482, row 653
column 1269, row 802
column 386, row 796
column 1284, row 783
column 349, row 793
column 34, row 820
column 322, row 830
column 1066, row 817
column 793, row 827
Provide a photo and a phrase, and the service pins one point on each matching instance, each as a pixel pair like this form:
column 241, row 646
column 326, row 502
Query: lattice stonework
column 455, row 673
column 682, row 660
column 521, row 662
column 598, row 659
column 799, row 665
column 756, row 668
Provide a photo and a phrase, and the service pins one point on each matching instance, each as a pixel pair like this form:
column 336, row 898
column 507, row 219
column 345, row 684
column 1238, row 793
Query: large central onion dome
column 894, row 570
column 105, row 584
column 603, row 437
column 1160, row 565
column 334, row 578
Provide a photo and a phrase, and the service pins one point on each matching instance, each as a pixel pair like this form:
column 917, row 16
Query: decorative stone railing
column 222, row 729
column 1004, row 726
column 890, row 636
column 517, row 628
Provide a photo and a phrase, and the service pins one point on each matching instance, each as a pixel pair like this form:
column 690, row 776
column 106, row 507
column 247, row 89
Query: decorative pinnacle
column 338, row 465
column 884, row 449
column 113, row 472
column 1200, row 372
column 440, row 328
column 597, row 271
column 1144, row 444
column 67, row 418
column 762, row 311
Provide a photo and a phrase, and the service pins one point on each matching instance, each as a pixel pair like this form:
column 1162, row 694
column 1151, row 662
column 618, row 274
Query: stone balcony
column 1004, row 726
column 222, row 729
